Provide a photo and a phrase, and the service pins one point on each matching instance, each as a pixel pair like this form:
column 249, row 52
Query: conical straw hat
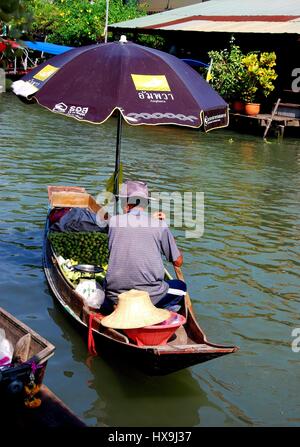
column 135, row 310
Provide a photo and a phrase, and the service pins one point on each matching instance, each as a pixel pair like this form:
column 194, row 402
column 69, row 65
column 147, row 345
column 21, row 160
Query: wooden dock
column 256, row 124
column 52, row 413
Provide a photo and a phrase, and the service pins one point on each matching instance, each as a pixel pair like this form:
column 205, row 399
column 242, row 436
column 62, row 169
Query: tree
column 77, row 22
column 9, row 8
column 14, row 13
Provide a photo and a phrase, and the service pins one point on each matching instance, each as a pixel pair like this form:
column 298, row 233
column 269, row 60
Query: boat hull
column 151, row 361
column 14, row 378
column 189, row 347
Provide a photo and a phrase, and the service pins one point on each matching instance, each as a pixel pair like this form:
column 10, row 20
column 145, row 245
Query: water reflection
column 126, row 397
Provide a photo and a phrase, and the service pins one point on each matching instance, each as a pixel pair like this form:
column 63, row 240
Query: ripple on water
column 243, row 273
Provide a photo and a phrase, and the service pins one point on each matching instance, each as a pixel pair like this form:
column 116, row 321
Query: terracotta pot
column 238, row 106
column 252, row 109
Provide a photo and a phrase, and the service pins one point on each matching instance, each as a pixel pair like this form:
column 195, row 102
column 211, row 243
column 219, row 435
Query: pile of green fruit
column 82, row 247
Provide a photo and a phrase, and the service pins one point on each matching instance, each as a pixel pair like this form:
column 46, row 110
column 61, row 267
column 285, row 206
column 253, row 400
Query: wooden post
column 281, row 131
column 271, row 119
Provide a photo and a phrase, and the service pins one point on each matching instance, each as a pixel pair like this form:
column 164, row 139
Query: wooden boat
column 189, row 345
column 53, row 413
column 14, row 378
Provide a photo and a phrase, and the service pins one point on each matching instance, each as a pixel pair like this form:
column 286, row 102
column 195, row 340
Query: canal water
column 243, row 273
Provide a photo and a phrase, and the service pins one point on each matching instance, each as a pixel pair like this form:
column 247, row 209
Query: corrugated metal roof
column 237, row 27
column 219, row 9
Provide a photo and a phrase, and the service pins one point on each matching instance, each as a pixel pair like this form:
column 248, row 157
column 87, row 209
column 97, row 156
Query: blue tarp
column 45, row 47
column 195, row 63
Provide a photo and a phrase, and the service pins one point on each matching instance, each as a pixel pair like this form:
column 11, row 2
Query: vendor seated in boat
column 137, row 242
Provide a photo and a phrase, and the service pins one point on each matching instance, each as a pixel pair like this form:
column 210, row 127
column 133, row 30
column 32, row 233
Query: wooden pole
column 188, row 301
column 106, row 21
column 281, row 131
column 117, row 162
column 271, row 119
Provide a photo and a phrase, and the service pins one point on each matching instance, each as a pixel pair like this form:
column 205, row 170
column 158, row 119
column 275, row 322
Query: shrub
column 228, row 72
column 260, row 76
column 238, row 76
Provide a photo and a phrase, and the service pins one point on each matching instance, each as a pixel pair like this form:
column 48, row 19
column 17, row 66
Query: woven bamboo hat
column 134, row 310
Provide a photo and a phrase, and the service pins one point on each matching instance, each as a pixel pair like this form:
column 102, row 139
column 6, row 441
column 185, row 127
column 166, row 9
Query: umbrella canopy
column 147, row 86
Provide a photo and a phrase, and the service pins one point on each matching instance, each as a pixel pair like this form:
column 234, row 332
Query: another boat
column 188, row 346
column 13, row 378
column 53, row 413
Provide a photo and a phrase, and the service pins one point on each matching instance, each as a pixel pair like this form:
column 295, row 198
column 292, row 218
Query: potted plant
column 243, row 79
column 259, row 79
column 227, row 75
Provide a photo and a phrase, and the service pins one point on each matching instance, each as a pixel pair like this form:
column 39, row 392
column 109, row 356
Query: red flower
column 2, row 47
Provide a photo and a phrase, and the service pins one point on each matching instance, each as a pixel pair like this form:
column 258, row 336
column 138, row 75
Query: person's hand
column 159, row 215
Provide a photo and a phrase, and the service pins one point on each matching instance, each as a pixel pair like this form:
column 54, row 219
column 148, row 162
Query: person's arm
column 102, row 219
column 103, row 214
column 169, row 248
column 161, row 216
column 179, row 261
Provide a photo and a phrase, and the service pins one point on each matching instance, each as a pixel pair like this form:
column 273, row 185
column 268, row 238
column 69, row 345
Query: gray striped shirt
column 137, row 243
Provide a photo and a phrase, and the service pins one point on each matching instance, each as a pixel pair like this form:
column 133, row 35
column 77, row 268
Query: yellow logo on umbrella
column 153, row 83
column 45, row 73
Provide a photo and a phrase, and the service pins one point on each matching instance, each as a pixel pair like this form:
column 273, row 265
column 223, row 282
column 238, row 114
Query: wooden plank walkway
column 251, row 123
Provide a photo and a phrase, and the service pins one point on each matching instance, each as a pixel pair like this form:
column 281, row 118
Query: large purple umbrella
column 146, row 86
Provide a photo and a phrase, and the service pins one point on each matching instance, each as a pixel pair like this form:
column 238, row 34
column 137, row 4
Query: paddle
column 180, row 276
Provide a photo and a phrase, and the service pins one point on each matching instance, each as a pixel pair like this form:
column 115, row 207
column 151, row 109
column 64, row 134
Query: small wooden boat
column 53, row 413
column 14, row 377
column 189, row 345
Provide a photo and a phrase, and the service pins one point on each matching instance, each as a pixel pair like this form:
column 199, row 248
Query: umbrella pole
column 117, row 162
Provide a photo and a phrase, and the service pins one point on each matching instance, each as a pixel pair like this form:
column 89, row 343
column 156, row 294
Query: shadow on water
column 133, row 399
column 127, row 397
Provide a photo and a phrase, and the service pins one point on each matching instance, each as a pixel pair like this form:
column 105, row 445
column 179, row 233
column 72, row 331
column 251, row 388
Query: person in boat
column 137, row 242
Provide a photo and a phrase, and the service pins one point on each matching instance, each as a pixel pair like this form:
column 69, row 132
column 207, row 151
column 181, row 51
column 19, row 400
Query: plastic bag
column 91, row 292
column 6, row 349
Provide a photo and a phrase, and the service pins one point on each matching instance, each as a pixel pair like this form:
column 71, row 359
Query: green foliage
column 148, row 40
column 45, row 14
column 152, row 41
column 77, row 22
column 9, row 9
column 228, row 72
column 243, row 76
column 14, row 14
column 72, row 22
column 260, row 75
